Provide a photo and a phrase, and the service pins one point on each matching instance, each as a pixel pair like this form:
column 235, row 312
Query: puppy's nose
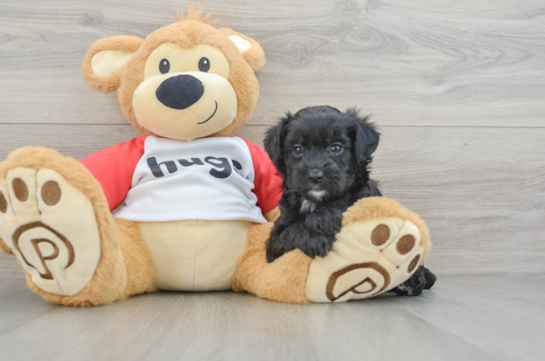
column 180, row 92
column 316, row 174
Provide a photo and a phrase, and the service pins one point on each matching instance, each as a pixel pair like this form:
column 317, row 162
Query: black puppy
column 322, row 155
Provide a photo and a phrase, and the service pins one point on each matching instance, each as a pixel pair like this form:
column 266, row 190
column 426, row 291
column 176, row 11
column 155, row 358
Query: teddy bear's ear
column 250, row 49
column 105, row 61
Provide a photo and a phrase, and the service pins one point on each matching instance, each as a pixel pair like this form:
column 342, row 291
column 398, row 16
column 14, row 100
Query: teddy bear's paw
column 51, row 227
column 367, row 259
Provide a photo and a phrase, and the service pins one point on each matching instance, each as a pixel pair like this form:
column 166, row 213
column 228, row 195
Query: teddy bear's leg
column 284, row 280
column 381, row 244
column 55, row 218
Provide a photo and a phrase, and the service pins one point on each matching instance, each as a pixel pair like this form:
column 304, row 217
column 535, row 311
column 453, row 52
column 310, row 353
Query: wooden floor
column 463, row 318
column 458, row 90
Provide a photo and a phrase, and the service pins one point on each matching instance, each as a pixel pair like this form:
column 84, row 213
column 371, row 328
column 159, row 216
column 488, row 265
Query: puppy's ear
column 274, row 142
column 367, row 137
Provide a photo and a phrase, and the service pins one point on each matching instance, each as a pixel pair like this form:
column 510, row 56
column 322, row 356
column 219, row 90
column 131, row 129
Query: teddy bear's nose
column 180, row 91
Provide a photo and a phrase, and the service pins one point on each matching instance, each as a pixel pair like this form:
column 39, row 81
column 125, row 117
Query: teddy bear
column 193, row 203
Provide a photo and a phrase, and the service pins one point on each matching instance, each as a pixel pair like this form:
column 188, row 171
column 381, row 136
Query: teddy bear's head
column 184, row 81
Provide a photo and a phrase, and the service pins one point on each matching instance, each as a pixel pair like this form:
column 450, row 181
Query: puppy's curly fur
column 323, row 156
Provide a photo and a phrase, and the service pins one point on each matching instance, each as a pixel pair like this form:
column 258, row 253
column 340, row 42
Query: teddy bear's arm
column 272, row 215
column 113, row 167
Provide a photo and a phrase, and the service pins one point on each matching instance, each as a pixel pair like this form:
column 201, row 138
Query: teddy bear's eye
column 164, row 66
column 204, row 64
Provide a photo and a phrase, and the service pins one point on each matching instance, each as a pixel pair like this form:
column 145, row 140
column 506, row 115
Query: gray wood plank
column 9, row 267
column 480, row 190
column 461, row 318
column 411, row 63
column 73, row 140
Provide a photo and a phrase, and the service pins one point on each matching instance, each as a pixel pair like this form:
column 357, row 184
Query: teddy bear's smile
column 215, row 110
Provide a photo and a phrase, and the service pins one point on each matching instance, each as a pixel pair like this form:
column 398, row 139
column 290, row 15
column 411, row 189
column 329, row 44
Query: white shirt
column 204, row 179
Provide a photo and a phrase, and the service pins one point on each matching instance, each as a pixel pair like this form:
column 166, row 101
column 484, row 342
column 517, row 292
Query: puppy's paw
column 275, row 248
column 429, row 277
column 273, row 253
column 421, row 280
column 317, row 245
column 367, row 259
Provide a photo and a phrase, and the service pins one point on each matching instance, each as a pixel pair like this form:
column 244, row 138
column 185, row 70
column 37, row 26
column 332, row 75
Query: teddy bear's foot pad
column 367, row 259
column 51, row 228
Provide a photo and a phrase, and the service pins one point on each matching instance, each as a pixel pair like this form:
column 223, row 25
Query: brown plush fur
column 195, row 14
column 4, row 247
column 125, row 266
column 284, row 280
column 137, row 259
column 110, row 83
column 367, row 209
column 272, row 215
column 255, row 56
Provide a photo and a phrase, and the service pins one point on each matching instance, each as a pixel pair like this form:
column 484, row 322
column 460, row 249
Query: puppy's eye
column 336, row 148
column 297, row 150
column 164, row 66
column 204, row 64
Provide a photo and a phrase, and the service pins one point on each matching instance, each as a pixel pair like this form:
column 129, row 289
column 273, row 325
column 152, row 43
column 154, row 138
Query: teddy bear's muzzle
column 180, row 92
column 185, row 106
